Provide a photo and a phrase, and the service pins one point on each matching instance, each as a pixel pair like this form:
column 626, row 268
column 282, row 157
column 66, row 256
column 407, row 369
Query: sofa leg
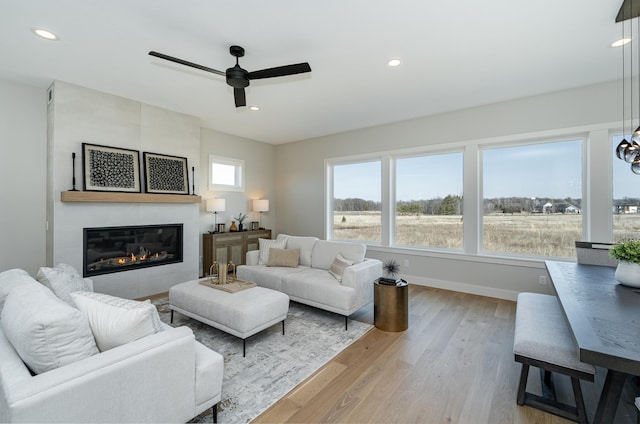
column 283, row 327
column 171, row 317
column 215, row 413
column 346, row 323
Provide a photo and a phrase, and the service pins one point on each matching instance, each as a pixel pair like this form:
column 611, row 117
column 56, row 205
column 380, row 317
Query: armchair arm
column 361, row 276
column 252, row 257
column 150, row 379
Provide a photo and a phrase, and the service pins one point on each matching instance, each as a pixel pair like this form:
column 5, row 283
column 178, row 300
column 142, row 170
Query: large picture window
column 532, row 199
column 626, row 198
column 429, row 201
column 356, row 201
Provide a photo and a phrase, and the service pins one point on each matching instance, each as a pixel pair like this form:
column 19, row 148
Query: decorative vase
column 240, row 226
column 628, row 273
column 233, row 226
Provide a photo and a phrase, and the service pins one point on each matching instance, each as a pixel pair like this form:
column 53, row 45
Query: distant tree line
column 452, row 205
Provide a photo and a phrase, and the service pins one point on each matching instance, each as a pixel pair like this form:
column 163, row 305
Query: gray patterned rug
column 274, row 364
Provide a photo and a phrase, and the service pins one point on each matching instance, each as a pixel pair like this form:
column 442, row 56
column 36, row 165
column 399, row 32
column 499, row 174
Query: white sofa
column 310, row 280
column 163, row 377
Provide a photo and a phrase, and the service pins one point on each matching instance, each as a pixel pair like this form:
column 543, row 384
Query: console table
column 603, row 317
column 231, row 246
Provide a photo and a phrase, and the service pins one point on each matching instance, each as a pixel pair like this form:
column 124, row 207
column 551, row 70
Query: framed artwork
column 165, row 174
column 110, row 169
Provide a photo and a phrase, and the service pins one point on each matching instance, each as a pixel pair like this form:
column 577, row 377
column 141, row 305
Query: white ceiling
column 455, row 55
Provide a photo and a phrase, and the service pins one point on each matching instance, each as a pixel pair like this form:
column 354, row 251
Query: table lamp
column 215, row 206
column 261, row 205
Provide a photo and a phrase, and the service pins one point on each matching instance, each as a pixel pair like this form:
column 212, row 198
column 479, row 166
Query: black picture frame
column 164, row 174
column 107, row 168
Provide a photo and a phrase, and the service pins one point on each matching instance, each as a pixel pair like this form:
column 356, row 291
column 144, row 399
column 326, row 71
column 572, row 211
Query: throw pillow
column 62, row 280
column 305, row 244
column 115, row 321
column 265, row 245
column 338, row 266
column 10, row 279
column 284, row 257
column 46, row 332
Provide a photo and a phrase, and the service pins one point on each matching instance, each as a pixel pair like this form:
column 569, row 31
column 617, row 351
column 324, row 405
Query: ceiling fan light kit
column 236, row 76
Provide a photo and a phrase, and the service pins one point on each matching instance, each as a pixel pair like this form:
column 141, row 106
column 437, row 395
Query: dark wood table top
column 603, row 314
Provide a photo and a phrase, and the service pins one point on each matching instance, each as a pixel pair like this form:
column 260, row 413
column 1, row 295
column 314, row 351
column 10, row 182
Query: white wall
column 80, row 115
column 23, row 121
column 300, row 177
column 259, row 161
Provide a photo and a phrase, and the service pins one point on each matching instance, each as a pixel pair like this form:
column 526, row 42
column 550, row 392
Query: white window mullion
column 472, row 200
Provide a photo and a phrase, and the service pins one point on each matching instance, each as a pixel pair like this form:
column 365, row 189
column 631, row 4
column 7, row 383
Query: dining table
column 604, row 318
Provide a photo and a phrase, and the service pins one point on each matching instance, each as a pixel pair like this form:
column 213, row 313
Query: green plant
column 391, row 267
column 626, row 251
column 241, row 217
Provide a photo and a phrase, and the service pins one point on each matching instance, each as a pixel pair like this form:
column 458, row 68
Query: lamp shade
column 215, row 205
column 261, row 205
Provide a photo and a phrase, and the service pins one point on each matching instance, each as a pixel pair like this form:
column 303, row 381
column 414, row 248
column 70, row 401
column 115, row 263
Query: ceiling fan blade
column 185, row 63
column 280, row 71
column 238, row 95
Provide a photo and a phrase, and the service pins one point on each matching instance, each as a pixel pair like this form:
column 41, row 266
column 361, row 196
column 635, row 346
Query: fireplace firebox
column 116, row 249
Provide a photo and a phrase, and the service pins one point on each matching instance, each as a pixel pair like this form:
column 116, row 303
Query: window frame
column 329, row 193
column 532, row 141
column 393, row 204
column 239, row 173
column 596, row 188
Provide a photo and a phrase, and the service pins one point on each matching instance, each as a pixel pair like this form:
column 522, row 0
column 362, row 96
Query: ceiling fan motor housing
column 237, row 77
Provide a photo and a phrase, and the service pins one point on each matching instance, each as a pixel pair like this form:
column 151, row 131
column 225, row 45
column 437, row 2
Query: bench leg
column 581, row 411
column 546, row 384
column 524, row 374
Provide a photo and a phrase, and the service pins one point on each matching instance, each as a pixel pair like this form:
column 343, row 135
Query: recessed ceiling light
column 393, row 62
column 43, row 33
column 621, row 42
column 254, row 108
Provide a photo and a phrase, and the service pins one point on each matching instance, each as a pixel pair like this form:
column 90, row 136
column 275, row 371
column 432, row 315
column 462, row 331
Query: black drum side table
column 391, row 306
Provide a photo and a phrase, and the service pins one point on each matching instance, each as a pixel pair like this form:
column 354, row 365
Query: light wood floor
column 453, row 365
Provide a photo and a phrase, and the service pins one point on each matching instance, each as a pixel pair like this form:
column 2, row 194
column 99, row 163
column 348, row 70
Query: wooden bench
column 543, row 340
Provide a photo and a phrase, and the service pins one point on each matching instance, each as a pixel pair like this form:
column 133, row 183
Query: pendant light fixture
column 629, row 151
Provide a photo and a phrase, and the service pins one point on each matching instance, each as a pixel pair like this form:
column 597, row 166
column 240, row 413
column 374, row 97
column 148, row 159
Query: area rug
column 275, row 363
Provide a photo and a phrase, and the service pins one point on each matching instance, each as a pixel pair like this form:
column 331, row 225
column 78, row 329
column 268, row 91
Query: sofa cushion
column 46, row 332
column 269, row 277
column 305, row 244
column 265, row 245
column 62, row 280
column 284, row 257
column 116, row 321
column 10, row 279
column 324, row 253
column 338, row 266
column 318, row 288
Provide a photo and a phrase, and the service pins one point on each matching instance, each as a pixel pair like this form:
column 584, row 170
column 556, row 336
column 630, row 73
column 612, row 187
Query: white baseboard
column 462, row 287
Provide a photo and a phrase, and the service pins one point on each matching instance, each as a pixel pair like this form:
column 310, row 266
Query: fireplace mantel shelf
column 109, row 197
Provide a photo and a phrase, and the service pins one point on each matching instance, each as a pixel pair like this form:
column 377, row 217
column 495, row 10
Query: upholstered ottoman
column 241, row 314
